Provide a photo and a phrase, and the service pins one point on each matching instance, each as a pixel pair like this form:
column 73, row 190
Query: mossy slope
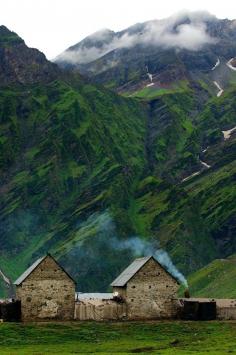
column 82, row 168
column 215, row 280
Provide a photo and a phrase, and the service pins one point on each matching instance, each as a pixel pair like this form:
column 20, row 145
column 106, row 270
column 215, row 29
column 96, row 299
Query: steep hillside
column 84, row 170
column 195, row 218
column 21, row 64
column 215, row 280
column 65, row 154
column 157, row 55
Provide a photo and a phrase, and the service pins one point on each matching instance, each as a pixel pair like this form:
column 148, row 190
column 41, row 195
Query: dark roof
column 132, row 269
column 30, row 269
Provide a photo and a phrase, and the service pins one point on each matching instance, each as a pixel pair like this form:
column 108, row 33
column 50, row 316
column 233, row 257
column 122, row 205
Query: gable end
column 34, row 266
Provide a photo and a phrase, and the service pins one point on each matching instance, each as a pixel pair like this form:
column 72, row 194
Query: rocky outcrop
column 20, row 64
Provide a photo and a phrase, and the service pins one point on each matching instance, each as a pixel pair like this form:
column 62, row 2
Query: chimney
column 186, row 293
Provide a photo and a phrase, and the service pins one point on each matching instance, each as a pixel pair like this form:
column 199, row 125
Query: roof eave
column 16, row 283
column 113, row 284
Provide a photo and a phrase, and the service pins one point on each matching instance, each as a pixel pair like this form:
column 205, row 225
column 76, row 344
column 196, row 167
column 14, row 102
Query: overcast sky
column 54, row 25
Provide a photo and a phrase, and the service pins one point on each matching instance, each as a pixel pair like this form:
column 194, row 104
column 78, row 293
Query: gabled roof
column 30, row 269
column 132, row 269
column 27, row 272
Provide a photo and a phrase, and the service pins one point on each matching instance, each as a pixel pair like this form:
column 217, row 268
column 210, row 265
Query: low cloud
column 184, row 31
column 82, row 55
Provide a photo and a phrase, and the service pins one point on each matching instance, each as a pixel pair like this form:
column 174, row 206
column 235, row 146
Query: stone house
column 148, row 290
column 46, row 291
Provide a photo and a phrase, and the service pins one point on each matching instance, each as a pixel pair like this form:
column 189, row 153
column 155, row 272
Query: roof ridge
column 134, row 267
column 130, row 271
column 33, row 266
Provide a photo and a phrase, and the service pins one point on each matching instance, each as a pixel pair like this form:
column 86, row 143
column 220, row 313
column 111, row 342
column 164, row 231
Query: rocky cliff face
column 177, row 49
column 20, row 64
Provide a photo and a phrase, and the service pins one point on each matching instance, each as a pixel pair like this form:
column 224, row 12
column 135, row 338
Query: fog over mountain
column 185, row 30
column 159, row 52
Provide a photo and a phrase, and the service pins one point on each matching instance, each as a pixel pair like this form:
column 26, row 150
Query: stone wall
column 99, row 310
column 121, row 291
column 47, row 293
column 226, row 313
column 151, row 293
column 226, row 309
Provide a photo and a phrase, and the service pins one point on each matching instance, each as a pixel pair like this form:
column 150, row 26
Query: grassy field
column 119, row 338
column 216, row 280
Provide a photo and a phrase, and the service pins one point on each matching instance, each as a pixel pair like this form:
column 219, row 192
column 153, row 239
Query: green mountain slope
column 84, row 170
column 60, row 150
column 215, row 280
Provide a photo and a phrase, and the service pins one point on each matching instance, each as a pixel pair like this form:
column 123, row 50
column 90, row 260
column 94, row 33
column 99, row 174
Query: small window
column 150, row 286
column 167, row 286
column 133, row 286
column 132, row 300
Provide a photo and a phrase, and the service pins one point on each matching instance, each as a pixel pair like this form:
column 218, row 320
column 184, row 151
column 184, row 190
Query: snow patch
column 216, row 65
column 220, row 92
column 190, row 176
column 229, row 65
column 205, row 164
column 197, row 172
column 151, row 84
column 204, row 150
column 150, row 77
column 227, row 134
column 5, row 278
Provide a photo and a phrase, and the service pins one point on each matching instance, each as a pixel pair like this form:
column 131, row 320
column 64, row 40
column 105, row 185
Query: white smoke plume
column 105, row 238
column 185, row 30
column 141, row 247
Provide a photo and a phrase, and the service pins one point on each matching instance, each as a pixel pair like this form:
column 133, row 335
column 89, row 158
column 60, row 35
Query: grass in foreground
column 118, row 338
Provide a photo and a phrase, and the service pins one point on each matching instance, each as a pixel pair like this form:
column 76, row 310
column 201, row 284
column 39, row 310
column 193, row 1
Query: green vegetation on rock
column 84, row 169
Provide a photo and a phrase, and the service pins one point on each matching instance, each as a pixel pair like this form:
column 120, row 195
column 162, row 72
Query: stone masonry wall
column 150, row 293
column 100, row 310
column 47, row 293
column 121, row 291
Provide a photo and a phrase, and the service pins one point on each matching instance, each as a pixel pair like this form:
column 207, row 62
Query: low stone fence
column 99, row 310
column 226, row 313
column 225, row 308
